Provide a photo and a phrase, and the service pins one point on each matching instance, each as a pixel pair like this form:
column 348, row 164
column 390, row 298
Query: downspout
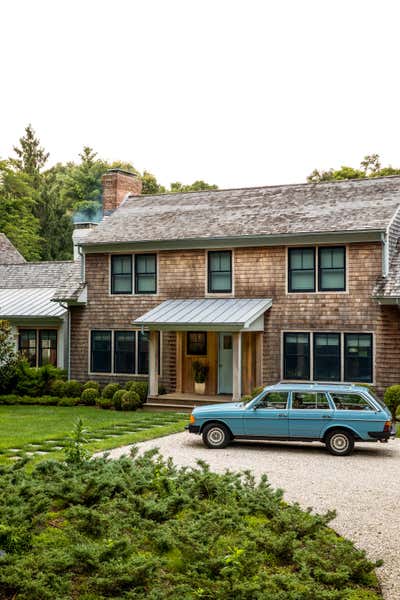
column 82, row 255
column 385, row 254
column 68, row 338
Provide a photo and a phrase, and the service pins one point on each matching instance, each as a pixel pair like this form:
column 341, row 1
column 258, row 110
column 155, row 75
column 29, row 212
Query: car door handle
column 327, row 416
column 281, row 415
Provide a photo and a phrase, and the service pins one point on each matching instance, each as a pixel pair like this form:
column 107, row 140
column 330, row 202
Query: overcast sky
column 238, row 93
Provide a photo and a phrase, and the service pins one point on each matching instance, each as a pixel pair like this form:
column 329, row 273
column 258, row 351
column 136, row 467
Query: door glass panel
column 310, row 400
column 48, row 347
column 227, row 342
column 277, row 400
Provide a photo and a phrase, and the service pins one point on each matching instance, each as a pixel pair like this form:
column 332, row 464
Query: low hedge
column 11, row 399
column 89, row 396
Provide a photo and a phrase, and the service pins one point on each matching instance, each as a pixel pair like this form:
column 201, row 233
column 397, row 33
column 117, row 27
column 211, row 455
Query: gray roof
column 389, row 286
column 341, row 206
column 207, row 313
column 29, row 302
column 63, row 278
column 8, row 252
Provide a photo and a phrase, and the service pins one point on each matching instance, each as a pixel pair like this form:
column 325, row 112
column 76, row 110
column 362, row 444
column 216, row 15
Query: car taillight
column 387, row 426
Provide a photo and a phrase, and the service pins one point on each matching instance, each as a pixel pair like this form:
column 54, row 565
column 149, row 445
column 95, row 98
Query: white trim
column 311, row 333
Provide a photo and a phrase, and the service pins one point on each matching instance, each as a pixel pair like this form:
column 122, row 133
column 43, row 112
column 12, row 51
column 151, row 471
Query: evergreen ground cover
column 42, row 431
column 141, row 528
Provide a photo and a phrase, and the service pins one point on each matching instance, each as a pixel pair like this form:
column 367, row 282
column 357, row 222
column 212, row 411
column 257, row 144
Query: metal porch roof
column 208, row 314
column 29, row 302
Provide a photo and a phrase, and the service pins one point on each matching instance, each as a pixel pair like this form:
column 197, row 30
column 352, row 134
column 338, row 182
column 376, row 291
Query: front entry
column 225, row 358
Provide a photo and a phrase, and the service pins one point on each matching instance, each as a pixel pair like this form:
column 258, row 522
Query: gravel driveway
column 363, row 488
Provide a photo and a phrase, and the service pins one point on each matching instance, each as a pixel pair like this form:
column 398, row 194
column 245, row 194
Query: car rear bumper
column 193, row 428
column 383, row 435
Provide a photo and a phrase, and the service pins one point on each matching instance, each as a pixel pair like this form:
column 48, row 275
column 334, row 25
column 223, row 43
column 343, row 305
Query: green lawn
column 42, row 431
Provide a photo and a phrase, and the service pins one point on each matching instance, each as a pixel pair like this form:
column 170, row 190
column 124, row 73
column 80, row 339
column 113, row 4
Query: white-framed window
column 316, row 269
column 328, row 356
column 120, row 352
column 133, row 274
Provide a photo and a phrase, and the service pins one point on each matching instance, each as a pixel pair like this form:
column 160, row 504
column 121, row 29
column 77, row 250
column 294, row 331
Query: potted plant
column 200, row 371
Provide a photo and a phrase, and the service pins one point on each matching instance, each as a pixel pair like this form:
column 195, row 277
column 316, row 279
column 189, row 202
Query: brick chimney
column 117, row 184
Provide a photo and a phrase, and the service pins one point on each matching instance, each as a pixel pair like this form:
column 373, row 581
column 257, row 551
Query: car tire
column 216, row 436
column 340, row 442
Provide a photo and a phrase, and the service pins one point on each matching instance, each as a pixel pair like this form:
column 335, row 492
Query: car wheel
column 340, row 442
column 216, row 436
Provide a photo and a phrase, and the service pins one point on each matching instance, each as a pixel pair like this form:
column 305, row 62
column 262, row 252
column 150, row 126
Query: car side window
column 310, row 400
column 276, row 400
column 350, row 401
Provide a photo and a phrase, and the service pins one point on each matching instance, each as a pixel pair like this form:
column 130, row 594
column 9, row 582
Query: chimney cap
column 123, row 171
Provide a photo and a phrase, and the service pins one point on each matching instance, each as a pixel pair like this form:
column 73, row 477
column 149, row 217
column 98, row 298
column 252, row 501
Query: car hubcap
column 340, row 443
column 216, row 436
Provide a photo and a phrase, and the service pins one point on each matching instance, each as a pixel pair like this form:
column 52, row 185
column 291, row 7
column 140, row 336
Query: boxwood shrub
column 392, row 399
column 57, row 387
column 117, row 398
column 140, row 387
column 92, row 385
column 89, row 396
column 73, row 388
column 102, row 402
column 110, row 389
column 130, row 400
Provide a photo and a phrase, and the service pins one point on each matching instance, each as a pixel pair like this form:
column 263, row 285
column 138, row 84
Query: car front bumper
column 193, row 428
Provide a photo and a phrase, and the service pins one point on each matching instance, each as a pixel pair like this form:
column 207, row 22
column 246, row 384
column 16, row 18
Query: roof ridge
column 272, row 186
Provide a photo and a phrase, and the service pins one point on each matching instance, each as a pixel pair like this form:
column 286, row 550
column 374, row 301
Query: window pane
column 219, row 272
column 124, row 352
column 276, row 400
column 121, row 274
column 301, row 276
column 350, row 402
column 332, row 270
column 309, row 401
column 327, row 356
column 101, row 352
column 145, row 274
column 302, row 280
column 197, row 343
column 48, row 347
column 358, row 357
column 296, row 356
column 27, row 345
column 143, row 353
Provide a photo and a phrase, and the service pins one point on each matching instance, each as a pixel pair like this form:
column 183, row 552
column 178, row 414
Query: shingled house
column 263, row 284
column 28, row 290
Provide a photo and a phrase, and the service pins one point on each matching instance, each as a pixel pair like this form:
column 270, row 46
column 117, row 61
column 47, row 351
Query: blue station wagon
column 336, row 415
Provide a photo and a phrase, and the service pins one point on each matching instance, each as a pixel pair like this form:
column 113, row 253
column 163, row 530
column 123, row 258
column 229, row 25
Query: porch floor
column 181, row 401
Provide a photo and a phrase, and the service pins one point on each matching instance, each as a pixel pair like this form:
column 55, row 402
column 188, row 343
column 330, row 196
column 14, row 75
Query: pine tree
column 31, row 157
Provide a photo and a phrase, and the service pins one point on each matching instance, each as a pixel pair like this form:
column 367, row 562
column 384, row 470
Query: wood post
column 259, row 358
column 237, row 366
column 179, row 361
column 153, row 363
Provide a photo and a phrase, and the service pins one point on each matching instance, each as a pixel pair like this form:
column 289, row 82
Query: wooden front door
column 225, row 357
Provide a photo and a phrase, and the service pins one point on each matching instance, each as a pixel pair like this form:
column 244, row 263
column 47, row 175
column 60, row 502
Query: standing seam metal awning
column 207, row 314
column 29, row 302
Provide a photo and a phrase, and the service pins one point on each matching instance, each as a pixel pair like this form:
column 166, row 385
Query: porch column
column 179, row 366
column 259, row 358
column 237, row 365
column 153, row 363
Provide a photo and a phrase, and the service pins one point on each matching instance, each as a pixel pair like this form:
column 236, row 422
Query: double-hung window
column 301, row 270
column 318, row 356
column 145, row 273
column 303, row 263
column 124, row 352
column 297, row 355
column 38, row 346
column 358, row 357
column 121, row 274
column 331, row 269
column 220, row 272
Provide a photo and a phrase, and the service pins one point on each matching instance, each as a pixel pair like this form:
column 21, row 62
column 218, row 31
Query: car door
column 268, row 417
column 309, row 414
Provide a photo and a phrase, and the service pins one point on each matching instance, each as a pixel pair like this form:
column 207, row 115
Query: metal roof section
column 208, row 314
column 29, row 302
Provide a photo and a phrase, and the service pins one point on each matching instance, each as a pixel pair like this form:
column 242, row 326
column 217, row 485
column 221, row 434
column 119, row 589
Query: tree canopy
column 37, row 203
column 370, row 166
